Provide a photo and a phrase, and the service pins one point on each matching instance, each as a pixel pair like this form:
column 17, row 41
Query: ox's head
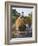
column 20, row 25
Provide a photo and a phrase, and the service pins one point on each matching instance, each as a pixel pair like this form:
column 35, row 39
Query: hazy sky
column 25, row 10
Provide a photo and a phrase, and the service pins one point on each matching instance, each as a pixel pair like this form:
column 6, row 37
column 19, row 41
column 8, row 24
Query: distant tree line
column 15, row 15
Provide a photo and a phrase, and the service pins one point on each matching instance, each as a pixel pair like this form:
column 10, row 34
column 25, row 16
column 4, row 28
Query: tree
column 14, row 15
column 30, row 14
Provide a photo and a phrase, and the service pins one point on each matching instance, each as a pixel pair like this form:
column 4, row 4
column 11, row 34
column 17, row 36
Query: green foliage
column 30, row 14
column 14, row 15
